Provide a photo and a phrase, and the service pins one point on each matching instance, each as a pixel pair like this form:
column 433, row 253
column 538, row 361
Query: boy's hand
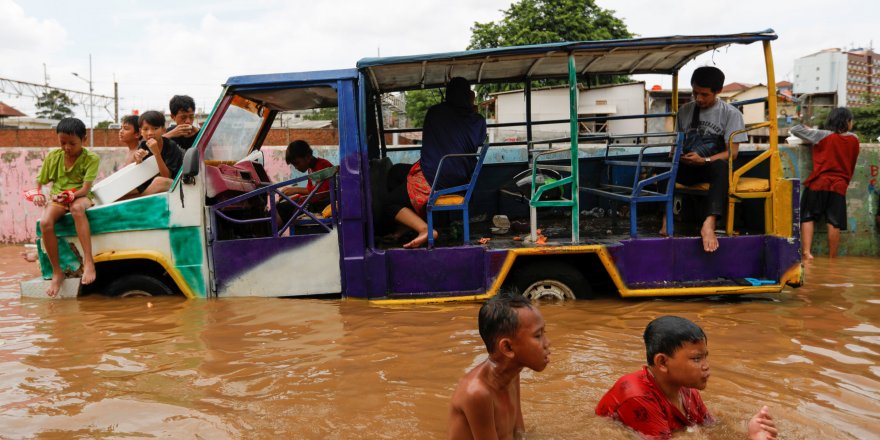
column 693, row 159
column 35, row 196
column 140, row 155
column 762, row 426
column 185, row 130
column 154, row 147
column 65, row 197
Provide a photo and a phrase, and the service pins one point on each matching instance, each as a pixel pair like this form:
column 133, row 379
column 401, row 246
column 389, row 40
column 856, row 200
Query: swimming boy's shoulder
column 636, row 384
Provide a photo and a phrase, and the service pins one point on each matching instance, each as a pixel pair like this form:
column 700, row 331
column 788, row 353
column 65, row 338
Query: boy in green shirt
column 72, row 171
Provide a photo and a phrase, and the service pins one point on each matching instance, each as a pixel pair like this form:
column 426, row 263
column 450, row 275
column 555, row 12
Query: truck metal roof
column 273, row 79
column 658, row 55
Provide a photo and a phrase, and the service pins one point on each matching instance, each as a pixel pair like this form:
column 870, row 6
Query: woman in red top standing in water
column 834, row 161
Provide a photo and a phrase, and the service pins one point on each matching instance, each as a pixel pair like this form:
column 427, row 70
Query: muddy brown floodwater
column 327, row 369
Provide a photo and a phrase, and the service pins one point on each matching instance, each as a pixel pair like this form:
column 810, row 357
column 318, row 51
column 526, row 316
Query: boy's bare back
column 483, row 409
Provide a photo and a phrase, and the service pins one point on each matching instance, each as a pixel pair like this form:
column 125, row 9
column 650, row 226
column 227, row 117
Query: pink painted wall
column 19, row 167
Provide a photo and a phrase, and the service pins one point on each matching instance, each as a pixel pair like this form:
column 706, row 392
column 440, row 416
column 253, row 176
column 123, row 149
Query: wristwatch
column 707, row 160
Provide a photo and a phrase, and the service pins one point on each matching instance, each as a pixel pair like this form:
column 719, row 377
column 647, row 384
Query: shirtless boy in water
column 486, row 403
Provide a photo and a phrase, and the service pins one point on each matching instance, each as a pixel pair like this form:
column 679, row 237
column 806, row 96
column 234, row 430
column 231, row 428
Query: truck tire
column 137, row 285
column 550, row 279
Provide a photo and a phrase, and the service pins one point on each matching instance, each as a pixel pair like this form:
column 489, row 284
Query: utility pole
column 91, row 103
column 91, row 107
column 115, row 101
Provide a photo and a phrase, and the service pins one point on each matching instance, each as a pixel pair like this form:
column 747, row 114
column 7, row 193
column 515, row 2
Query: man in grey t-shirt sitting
column 715, row 122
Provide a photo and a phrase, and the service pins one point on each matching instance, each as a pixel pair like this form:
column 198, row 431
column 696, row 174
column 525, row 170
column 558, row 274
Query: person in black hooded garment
column 451, row 127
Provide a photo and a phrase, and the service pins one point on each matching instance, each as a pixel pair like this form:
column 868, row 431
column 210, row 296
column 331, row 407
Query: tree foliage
column 323, row 114
column 418, row 102
column 548, row 21
column 54, row 104
column 866, row 122
column 103, row 124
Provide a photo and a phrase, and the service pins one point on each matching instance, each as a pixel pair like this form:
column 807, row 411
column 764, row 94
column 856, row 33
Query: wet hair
column 297, row 149
column 708, row 76
column 838, row 120
column 152, row 117
column 498, row 318
column 71, row 126
column 181, row 102
column 667, row 334
column 133, row 121
column 458, row 93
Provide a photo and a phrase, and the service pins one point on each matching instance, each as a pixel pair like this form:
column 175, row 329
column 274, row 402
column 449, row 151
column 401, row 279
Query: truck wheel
column 553, row 280
column 136, row 285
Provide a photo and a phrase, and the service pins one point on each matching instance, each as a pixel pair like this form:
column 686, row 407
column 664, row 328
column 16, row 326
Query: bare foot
column 710, row 241
column 808, row 256
column 88, row 273
column 419, row 241
column 55, row 285
column 663, row 232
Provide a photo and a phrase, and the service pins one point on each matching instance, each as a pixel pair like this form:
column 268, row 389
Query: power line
column 23, row 88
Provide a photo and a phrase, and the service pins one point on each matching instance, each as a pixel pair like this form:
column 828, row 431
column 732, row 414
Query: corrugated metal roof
column 663, row 55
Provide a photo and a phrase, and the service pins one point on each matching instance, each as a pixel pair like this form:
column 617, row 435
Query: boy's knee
column 161, row 184
column 47, row 228
column 47, row 224
column 78, row 210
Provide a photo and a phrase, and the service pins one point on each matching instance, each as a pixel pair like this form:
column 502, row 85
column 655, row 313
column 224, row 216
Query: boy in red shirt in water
column 662, row 397
column 834, row 161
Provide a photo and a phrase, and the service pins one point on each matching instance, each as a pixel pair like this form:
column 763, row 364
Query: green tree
column 866, row 122
column 54, row 104
column 324, row 114
column 418, row 102
column 548, row 21
column 103, row 124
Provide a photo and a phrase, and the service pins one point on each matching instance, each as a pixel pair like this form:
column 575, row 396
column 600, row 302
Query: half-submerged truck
column 216, row 232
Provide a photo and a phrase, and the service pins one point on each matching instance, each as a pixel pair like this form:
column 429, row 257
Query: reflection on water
column 270, row 368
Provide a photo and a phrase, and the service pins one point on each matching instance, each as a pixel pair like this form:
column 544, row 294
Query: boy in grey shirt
column 708, row 123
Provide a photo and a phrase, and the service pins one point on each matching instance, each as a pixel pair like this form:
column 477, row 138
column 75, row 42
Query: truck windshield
column 235, row 134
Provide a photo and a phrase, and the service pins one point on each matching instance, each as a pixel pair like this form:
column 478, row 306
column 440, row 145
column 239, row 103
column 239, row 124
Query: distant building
column 551, row 103
column 26, row 122
column 660, row 101
column 837, row 78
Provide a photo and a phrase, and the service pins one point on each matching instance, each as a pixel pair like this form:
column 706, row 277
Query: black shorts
column 828, row 204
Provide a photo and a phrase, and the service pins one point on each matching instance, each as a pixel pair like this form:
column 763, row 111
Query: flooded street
column 316, row 369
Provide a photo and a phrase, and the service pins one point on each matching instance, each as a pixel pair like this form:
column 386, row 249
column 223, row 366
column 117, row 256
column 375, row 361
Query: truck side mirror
column 190, row 165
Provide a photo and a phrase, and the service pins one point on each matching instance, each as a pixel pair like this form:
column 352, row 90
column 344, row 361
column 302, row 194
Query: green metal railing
column 572, row 180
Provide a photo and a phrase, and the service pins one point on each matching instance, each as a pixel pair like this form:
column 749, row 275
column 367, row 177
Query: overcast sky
column 160, row 48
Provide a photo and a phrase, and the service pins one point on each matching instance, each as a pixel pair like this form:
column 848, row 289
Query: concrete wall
column 11, row 137
column 19, row 166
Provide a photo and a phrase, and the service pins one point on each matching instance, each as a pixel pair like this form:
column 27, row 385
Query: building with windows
column 837, row 78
